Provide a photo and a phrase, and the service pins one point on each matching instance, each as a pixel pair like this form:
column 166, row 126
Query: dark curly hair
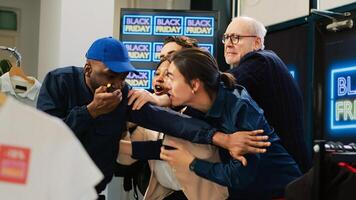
column 185, row 42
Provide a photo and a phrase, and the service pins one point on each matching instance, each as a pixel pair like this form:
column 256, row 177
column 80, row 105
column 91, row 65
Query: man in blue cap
column 97, row 114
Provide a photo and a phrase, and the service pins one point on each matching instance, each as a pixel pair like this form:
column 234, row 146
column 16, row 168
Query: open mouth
column 159, row 89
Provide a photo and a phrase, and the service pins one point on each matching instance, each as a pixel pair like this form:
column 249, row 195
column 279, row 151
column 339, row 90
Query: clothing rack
column 14, row 52
column 338, row 152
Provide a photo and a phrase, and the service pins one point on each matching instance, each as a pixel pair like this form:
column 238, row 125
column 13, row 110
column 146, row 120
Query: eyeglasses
column 234, row 39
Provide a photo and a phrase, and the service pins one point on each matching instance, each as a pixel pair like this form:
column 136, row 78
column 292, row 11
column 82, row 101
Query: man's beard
column 94, row 84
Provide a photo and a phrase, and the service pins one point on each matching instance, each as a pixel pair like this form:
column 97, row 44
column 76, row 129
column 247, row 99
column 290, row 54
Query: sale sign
column 14, row 164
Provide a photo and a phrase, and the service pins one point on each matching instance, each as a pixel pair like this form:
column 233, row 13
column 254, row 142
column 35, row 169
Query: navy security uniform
column 270, row 84
column 265, row 175
column 64, row 94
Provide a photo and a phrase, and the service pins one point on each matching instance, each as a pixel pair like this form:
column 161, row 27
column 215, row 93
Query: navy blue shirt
column 65, row 94
column 270, row 84
column 267, row 174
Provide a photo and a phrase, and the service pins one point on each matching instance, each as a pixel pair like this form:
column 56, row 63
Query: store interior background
column 55, row 33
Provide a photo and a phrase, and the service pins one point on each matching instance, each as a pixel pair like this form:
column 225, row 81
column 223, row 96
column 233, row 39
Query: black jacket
column 270, row 84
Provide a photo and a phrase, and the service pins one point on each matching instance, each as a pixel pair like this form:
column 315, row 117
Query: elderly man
column 269, row 82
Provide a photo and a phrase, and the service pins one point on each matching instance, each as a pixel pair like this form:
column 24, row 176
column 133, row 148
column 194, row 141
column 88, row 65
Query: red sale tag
column 14, row 163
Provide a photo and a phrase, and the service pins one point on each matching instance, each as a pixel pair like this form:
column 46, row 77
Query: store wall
column 164, row 4
column 48, row 55
column 329, row 4
column 67, row 28
column 27, row 40
column 268, row 13
column 38, row 57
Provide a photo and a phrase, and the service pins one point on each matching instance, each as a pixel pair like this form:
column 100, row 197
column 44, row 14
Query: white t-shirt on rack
column 40, row 158
column 28, row 96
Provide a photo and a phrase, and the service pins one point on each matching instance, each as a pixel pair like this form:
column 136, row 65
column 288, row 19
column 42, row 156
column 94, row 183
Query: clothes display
column 15, row 82
column 20, row 89
column 40, row 158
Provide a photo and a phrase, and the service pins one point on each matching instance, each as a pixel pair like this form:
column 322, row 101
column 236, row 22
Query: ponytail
column 228, row 80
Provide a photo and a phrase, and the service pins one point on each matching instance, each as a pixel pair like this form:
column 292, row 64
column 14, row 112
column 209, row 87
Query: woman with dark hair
column 195, row 81
column 165, row 182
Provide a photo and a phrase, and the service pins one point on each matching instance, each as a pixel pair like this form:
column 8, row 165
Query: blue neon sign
column 137, row 25
column 207, row 47
column 199, row 26
column 153, row 72
column 157, row 46
column 168, row 25
column 142, row 80
column 139, row 51
column 292, row 70
column 343, row 98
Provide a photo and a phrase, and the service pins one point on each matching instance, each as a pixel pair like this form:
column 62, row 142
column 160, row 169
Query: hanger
column 2, row 99
column 14, row 53
column 17, row 71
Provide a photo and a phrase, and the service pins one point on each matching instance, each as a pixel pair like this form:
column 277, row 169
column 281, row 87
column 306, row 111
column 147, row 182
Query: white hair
column 256, row 28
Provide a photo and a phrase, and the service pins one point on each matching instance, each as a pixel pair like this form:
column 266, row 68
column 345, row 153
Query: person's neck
column 234, row 65
column 202, row 101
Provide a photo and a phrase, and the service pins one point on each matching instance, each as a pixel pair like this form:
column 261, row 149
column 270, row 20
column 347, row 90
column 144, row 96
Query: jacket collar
column 216, row 109
column 30, row 93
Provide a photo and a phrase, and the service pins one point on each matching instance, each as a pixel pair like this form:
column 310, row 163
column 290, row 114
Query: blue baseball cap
column 112, row 53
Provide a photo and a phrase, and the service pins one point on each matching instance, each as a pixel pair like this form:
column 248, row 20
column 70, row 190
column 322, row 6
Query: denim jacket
column 265, row 175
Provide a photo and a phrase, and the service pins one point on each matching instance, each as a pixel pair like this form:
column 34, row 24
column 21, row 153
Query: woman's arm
column 231, row 173
column 138, row 98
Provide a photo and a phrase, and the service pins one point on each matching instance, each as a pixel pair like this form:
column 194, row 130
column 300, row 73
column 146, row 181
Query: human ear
column 195, row 85
column 87, row 69
column 257, row 44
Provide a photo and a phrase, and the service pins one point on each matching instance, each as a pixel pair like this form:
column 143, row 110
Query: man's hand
column 241, row 143
column 104, row 102
column 138, row 98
